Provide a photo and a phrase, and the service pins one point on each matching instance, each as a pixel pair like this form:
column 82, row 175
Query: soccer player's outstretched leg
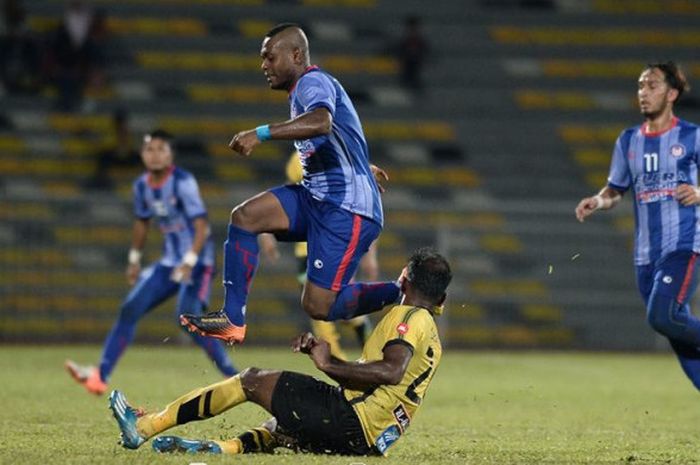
column 370, row 408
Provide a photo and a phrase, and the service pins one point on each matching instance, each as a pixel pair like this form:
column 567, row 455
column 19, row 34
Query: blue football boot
column 126, row 417
column 190, row 446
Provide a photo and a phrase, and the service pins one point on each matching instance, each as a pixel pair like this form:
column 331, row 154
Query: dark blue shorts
column 674, row 276
column 337, row 239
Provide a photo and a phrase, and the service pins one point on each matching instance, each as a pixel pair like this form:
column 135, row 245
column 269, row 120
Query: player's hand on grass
column 244, row 142
column 132, row 273
column 379, row 176
column 586, row 207
column 687, row 195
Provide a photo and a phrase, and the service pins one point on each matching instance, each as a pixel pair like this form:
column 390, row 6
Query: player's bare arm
column 183, row 272
column 314, row 123
column 688, row 195
column 138, row 240
column 606, row 199
column 389, row 370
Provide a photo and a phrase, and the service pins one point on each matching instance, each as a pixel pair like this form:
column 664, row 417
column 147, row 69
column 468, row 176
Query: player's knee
column 249, row 378
column 242, row 217
column 315, row 309
column 660, row 316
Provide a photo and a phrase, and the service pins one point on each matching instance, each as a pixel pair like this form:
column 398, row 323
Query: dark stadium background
column 520, row 105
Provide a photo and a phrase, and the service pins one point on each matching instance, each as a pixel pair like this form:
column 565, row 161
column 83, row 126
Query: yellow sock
column 254, row 440
column 231, row 446
column 327, row 331
column 196, row 405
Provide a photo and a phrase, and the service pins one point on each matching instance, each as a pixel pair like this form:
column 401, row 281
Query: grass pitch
column 482, row 408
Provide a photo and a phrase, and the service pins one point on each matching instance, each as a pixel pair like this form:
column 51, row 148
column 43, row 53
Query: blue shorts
column 155, row 286
column 337, row 239
column 674, row 275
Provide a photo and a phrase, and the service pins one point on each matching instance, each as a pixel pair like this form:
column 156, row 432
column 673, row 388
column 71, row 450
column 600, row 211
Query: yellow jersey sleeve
column 293, row 169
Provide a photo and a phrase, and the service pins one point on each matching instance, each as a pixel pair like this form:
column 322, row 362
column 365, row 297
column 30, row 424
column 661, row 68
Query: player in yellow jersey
column 375, row 401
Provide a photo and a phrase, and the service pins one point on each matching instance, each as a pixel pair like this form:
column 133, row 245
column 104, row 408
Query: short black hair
column 429, row 274
column 161, row 134
column 674, row 76
column 281, row 27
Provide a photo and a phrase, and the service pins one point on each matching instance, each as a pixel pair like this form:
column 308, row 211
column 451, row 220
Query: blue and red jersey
column 175, row 203
column 335, row 166
column 653, row 165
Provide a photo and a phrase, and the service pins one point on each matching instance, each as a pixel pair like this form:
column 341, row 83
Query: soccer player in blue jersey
column 336, row 208
column 658, row 161
column 169, row 195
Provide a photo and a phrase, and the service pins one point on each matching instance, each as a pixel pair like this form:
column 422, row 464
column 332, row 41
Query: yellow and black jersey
column 295, row 175
column 386, row 411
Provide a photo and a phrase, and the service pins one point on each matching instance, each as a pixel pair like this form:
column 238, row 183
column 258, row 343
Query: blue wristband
column 263, row 132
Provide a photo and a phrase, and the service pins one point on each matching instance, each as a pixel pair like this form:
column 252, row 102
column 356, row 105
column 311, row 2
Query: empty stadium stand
column 522, row 104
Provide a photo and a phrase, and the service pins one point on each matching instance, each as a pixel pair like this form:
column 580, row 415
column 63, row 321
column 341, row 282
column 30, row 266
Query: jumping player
column 336, row 209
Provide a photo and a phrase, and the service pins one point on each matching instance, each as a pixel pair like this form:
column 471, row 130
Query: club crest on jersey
column 677, row 150
column 402, row 328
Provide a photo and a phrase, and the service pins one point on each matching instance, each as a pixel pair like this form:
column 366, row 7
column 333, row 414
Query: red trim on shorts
column 686, row 281
column 349, row 252
column 206, row 281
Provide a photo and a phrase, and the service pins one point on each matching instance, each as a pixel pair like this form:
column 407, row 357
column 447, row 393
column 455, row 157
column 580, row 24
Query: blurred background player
column 375, row 402
column 171, row 195
column 368, row 268
column 336, row 209
column 658, row 160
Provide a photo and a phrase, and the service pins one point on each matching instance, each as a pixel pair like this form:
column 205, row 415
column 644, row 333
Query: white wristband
column 190, row 259
column 134, row 257
column 602, row 202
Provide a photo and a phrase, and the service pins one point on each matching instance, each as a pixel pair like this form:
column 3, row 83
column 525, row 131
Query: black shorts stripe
column 206, row 411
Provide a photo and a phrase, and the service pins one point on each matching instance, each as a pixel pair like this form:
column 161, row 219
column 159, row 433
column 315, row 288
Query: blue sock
column 116, row 343
column 689, row 356
column 240, row 263
column 361, row 298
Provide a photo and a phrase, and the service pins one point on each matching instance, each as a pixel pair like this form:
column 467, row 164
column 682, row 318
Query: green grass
column 483, row 407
